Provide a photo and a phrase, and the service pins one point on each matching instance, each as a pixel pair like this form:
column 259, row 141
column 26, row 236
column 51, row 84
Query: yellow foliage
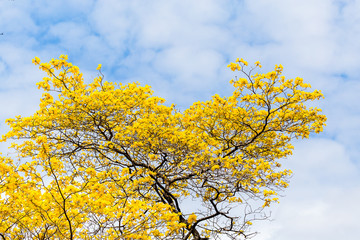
column 111, row 161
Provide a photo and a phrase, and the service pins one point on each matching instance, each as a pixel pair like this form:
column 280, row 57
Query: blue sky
column 182, row 48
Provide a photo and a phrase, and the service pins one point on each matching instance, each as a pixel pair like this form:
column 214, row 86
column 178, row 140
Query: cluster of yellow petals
column 111, row 161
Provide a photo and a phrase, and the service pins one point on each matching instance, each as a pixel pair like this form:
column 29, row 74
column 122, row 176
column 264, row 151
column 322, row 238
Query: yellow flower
column 98, row 67
column 192, row 218
column 243, row 61
column 257, row 63
column 234, row 66
column 36, row 60
column 215, row 167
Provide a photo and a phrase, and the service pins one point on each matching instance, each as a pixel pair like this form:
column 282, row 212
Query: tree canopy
column 110, row 161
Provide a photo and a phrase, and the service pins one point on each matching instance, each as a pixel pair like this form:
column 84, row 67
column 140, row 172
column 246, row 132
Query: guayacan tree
column 111, row 161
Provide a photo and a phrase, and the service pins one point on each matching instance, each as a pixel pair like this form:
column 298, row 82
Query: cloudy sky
column 181, row 48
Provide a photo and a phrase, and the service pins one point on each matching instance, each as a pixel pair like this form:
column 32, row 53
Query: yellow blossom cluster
column 110, row 161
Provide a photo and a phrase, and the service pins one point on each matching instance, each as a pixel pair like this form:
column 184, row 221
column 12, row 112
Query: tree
column 110, row 161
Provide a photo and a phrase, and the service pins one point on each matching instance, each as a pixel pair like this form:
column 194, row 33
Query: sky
column 181, row 48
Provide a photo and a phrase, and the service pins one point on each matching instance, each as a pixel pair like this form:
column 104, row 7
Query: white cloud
column 182, row 23
column 323, row 162
column 11, row 23
column 193, row 68
column 321, row 202
column 115, row 21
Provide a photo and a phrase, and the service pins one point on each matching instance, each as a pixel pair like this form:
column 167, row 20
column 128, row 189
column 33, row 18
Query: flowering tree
column 111, row 161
